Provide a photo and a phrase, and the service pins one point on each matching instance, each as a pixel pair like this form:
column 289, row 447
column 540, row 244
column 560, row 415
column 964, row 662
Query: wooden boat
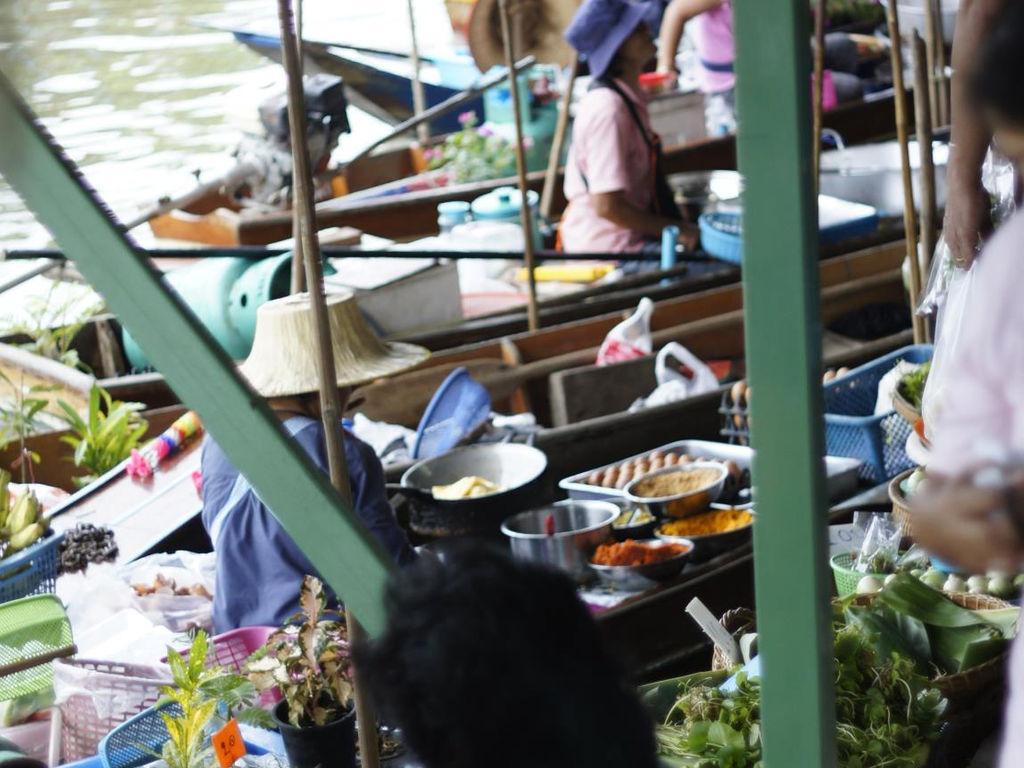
column 516, row 368
column 409, row 215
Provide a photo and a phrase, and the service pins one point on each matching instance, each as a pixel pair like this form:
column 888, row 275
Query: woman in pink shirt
column 618, row 200
column 972, row 514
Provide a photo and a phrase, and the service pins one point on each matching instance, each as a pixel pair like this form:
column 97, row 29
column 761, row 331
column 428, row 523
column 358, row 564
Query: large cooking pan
column 519, row 469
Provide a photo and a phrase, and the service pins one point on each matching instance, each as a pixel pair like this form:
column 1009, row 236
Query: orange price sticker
column 228, row 744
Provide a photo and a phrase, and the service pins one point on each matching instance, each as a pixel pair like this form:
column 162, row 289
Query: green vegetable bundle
column 911, row 386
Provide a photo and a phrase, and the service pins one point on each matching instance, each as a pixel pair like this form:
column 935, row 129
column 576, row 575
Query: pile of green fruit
column 22, row 524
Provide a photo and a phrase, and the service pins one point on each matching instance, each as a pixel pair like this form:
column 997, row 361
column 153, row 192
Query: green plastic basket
column 846, row 578
column 33, row 632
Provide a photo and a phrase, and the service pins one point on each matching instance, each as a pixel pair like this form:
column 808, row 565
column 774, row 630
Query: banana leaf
column 892, row 632
column 909, row 596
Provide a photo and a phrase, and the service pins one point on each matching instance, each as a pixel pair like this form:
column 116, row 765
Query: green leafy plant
column 50, row 327
column 106, row 436
column 309, row 661
column 19, row 418
column 473, row 154
column 206, row 698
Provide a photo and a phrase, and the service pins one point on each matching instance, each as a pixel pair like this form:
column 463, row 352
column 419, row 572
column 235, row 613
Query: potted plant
column 309, row 661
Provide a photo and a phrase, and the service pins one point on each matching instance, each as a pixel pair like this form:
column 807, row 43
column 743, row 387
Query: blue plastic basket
column 721, row 233
column 851, row 427
column 32, row 571
column 456, row 410
column 137, row 742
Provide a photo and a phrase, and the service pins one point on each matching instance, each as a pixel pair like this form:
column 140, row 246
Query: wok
column 518, row 469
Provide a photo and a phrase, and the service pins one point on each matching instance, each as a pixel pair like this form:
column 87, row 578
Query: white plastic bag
column 948, row 333
column 188, row 570
column 673, row 384
column 629, row 339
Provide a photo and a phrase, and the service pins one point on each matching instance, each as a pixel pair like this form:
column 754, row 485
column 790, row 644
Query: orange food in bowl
column 631, row 552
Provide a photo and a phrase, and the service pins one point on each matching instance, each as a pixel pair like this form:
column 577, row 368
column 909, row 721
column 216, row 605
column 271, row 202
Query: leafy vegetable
column 911, row 386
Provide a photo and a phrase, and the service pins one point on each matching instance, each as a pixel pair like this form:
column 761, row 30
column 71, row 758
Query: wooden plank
column 594, row 390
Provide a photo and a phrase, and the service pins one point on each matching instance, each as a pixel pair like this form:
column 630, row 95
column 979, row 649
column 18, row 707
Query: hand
column 968, row 526
column 968, row 221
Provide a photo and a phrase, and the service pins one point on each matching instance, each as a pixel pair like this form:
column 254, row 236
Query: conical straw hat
column 283, row 361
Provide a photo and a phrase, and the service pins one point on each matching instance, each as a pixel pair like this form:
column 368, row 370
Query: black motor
column 326, row 112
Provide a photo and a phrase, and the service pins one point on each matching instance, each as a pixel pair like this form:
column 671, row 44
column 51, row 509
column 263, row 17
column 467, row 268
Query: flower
column 486, row 131
column 467, row 119
column 527, row 142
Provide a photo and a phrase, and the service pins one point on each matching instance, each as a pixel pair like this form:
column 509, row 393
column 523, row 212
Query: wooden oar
column 819, row 88
column 909, row 216
column 547, row 197
column 330, row 400
column 525, row 215
column 923, row 115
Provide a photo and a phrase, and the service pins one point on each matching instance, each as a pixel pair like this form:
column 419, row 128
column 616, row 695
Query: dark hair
column 998, row 78
column 487, row 661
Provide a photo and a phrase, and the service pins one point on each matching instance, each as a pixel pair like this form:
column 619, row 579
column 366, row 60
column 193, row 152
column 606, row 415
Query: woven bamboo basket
column 902, row 406
column 900, row 505
column 961, row 690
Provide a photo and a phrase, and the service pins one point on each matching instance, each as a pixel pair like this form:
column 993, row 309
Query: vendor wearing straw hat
column 259, row 567
column 619, row 201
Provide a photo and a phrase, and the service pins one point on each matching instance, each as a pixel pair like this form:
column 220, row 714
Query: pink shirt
column 714, row 43
column 981, row 405
column 608, row 148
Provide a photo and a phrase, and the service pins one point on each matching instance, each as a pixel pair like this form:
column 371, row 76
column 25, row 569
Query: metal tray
column 841, row 473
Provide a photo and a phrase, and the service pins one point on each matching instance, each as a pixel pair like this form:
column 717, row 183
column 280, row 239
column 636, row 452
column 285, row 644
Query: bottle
column 451, row 214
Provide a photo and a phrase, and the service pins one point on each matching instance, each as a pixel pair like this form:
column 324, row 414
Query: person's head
column 487, row 661
column 613, row 36
column 998, row 82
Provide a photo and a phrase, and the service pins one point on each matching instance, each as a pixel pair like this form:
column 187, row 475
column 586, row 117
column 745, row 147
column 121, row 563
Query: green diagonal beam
column 330, row 535
column 783, row 349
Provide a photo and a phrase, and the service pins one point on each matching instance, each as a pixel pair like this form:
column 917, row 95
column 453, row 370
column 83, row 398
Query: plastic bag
column 948, row 332
column 186, row 605
column 1000, row 181
column 673, row 384
column 629, row 339
column 881, row 548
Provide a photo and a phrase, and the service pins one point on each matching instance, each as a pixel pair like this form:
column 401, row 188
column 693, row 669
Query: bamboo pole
column 933, row 39
column 330, row 399
column 547, row 197
column 819, row 89
column 419, row 99
column 298, row 282
column 942, row 84
column 909, row 217
column 923, row 115
column 525, row 217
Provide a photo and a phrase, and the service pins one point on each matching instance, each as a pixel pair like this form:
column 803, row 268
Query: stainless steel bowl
column 680, row 504
column 579, row 527
column 634, row 578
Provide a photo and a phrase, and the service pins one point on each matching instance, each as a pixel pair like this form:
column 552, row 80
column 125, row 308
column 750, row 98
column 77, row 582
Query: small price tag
column 843, row 539
column 228, row 744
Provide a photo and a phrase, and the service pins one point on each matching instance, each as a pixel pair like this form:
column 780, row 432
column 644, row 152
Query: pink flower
column 467, row 119
column 485, row 131
column 138, row 466
column 431, row 154
column 527, row 142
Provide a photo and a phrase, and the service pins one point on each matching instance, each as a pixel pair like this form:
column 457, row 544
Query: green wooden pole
column 783, row 346
column 301, row 497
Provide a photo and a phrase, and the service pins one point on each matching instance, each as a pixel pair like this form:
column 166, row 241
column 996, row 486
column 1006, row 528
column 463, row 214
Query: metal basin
column 872, row 174
column 579, row 527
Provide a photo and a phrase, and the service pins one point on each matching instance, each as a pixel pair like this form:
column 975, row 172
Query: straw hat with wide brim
column 537, row 27
column 283, row 361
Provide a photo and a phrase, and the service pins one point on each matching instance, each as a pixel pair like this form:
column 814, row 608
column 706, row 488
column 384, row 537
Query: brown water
column 136, row 93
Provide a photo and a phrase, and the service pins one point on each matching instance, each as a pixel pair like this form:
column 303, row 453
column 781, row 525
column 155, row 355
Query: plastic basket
column 232, row 649
column 458, row 408
column 112, row 693
column 851, row 427
column 845, row 577
column 135, row 742
column 721, row 236
column 33, row 630
column 32, row 571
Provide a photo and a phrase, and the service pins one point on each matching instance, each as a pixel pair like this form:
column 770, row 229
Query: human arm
column 371, row 504
column 616, row 208
column 968, row 217
column 672, row 25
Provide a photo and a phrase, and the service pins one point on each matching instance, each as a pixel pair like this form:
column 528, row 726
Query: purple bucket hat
column 600, row 27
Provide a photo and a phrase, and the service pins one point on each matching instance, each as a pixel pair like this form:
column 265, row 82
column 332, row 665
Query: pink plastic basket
column 113, row 693
column 232, row 649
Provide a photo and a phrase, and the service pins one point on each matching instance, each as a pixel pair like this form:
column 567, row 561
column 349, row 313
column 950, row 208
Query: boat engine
column 270, row 154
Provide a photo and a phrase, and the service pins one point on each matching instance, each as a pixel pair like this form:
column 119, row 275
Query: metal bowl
column 637, row 530
column 633, row 578
column 580, row 526
column 680, row 504
column 709, row 545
